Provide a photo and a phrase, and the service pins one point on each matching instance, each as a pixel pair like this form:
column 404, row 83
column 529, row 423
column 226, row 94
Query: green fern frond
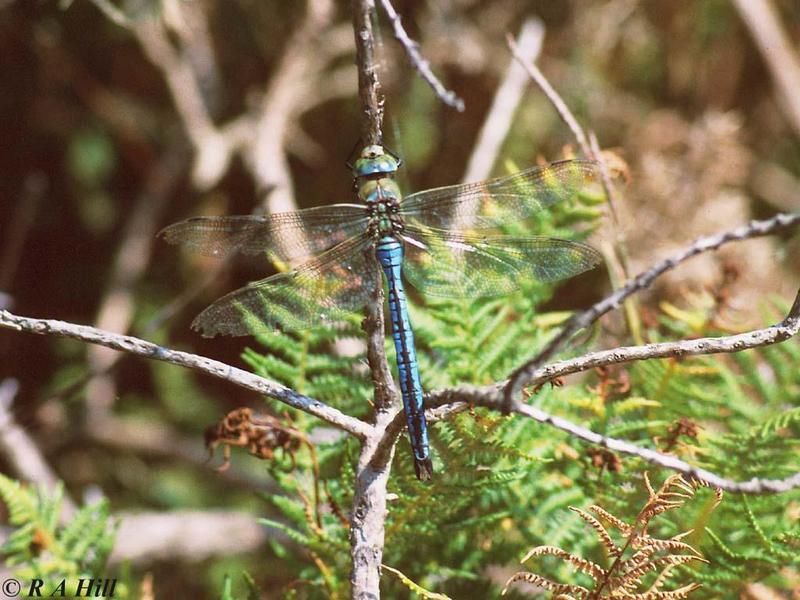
column 40, row 547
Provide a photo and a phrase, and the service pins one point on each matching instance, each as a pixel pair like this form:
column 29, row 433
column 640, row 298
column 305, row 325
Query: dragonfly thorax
column 376, row 187
column 384, row 216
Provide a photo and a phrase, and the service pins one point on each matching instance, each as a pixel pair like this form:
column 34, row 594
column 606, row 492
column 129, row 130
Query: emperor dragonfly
column 439, row 239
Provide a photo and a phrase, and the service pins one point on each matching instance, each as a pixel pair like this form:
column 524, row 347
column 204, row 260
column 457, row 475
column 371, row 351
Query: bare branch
column 456, row 400
column 563, row 111
column 369, row 92
column 186, row 93
column 780, row 332
column 418, row 61
column 523, row 375
column 145, row 349
column 367, row 523
column 368, row 517
column 369, row 89
column 261, row 135
column 776, row 48
column 751, row 486
column 498, row 120
column 451, row 401
column 775, row 334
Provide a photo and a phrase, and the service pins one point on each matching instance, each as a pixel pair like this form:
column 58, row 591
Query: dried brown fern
column 639, row 554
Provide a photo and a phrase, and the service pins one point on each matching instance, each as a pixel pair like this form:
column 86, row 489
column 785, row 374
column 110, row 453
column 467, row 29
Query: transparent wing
column 290, row 236
column 490, row 203
column 444, row 263
column 326, row 288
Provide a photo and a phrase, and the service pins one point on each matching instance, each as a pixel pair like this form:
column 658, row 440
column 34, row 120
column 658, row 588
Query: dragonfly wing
column 488, row 204
column 444, row 263
column 290, row 235
column 326, row 288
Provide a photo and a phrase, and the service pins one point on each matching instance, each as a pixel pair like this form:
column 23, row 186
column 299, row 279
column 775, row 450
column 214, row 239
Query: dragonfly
column 445, row 241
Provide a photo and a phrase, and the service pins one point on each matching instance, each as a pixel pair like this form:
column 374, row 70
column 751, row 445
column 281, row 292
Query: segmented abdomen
column 390, row 254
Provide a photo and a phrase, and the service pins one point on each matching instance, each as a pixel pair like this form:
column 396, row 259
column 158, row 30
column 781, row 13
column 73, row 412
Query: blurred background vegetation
column 118, row 119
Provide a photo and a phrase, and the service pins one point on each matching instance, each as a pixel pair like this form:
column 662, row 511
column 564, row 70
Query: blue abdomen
column 390, row 254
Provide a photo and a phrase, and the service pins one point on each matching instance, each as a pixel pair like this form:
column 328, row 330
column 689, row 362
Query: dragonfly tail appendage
column 423, row 468
column 390, row 255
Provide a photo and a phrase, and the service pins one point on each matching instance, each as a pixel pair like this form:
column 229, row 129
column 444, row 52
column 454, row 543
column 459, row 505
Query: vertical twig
column 369, row 500
column 369, row 91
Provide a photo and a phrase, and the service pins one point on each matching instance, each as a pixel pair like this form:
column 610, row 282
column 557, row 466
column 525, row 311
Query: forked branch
column 524, row 375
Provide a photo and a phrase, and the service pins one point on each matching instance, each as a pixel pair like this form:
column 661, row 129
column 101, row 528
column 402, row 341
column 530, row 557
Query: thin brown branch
column 418, row 61
column 523, row 375
column 588, row 144
column 145, row 349
column 369, row 92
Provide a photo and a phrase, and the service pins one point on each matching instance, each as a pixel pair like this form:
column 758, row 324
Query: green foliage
column 469, row 517
column 252, row 591
column 306, row 362
column 42, row 547
column 506, row 484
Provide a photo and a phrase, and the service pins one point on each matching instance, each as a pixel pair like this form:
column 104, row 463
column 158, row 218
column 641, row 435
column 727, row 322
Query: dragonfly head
column 374, row 160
